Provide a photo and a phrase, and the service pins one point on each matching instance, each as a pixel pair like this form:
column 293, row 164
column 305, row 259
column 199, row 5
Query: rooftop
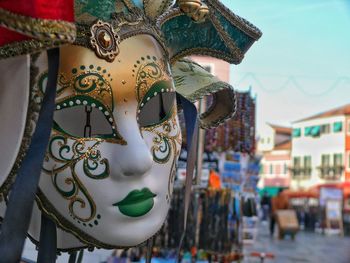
column 281, row 129
column 340, row 111
column 287, row 145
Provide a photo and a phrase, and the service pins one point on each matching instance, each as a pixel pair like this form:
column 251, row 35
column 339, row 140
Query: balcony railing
column 300, row 172
column 331, row 172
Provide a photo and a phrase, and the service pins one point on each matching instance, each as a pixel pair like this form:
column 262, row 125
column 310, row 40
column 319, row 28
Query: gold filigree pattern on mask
column 148, row 70
column 165, row 141
column 72, row 154
column 89, row 86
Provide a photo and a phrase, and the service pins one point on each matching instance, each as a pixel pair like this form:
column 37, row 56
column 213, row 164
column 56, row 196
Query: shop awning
column 337, row 126
column 316, row 130
column 307, row 131
column 271, row 190
column 310, row 193
column 296, row 132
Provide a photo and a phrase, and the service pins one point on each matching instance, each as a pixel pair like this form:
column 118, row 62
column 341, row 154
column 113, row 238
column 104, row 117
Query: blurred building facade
column 274, row 146
column 321, row 149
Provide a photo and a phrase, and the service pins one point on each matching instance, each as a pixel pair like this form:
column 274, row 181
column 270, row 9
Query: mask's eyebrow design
column 147, row 71
column 88, row 86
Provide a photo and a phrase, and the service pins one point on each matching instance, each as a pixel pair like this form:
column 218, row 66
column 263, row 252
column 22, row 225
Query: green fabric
column 337, row 127
column 316, row 130
column 138, row 3
column 101, row 9
column 242, row 41
column 194, row 82
column 296, row 132
column 271, row 190
column 307, row 131
column 182, row 33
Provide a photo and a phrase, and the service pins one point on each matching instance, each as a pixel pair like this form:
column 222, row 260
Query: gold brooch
column 104, row 41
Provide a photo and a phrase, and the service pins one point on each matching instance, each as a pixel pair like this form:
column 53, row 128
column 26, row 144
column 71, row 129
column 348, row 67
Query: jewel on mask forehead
column 104, row 41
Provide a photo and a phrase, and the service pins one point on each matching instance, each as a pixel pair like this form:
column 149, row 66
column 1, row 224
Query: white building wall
column 266, row 139
column 331, row 143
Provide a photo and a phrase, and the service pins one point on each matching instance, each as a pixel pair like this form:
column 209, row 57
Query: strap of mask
column 190, row 114
column 149, row 250
column 48, row 241
column 72, row 257
column 21, row 199
column 80, row 256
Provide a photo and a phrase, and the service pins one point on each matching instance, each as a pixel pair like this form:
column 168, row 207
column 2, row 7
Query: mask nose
column 135, row 159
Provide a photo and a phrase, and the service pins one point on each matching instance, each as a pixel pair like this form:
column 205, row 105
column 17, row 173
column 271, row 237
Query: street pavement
column 307, row 247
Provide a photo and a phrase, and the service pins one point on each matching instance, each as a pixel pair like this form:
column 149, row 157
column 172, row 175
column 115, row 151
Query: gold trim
column 43, row 29
column 126, row 26
column 236, row 20
column 26, row 47
column 48, row 209
column 235, row 51
column 205, row 52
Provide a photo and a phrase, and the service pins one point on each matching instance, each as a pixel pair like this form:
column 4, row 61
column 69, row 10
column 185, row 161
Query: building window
column 271, row 169
column 338, row 166
column 338, row 159
column 307, row 165
column 268, row 140
column 337, row 126
column 307, row 131
column 331, row 172
column 285, row 168
column 348, row 165
column 316, row 131
column 262, row 140
column 325, row 128
column 325, row 160
column 296, row 132
column 348, row 127
column 296, row 166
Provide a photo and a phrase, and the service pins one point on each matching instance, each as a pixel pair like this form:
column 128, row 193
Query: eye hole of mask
column 157, row 110
column 73, row 120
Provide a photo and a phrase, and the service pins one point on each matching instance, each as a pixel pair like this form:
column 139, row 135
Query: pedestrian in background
column 278, row 202
column 265, row 205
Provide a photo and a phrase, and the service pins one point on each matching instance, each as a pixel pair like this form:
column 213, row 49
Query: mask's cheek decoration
column 66, row 161
column 85, row 117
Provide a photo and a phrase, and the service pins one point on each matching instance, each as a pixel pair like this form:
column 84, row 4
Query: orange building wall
column 347, row 148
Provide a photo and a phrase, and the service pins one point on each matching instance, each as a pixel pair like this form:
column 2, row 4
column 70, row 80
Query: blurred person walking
column 265, row 206
column 278, row 202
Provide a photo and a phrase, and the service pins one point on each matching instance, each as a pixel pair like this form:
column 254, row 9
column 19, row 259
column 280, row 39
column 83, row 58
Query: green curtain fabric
column 296, row 132
column 307, row 131
column 316, row 130
column 337, row 127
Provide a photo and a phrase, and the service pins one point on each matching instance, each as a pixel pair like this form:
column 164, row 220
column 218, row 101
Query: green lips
column 136, row 203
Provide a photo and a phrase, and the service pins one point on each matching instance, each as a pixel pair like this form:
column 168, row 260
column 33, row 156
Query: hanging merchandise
column 90, row 125
column 237, row 134
column 212, row 211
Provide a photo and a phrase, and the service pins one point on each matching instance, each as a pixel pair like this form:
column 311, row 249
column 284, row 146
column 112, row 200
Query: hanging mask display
column 110, row 162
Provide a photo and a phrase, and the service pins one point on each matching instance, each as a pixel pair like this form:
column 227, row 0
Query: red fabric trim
column 8, row 36
column 58, row 9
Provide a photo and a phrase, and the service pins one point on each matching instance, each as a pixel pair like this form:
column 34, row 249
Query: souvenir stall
column 228, row 205
column 89, row 108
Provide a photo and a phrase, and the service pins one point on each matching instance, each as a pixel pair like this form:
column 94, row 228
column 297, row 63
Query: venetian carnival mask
column 110, row 164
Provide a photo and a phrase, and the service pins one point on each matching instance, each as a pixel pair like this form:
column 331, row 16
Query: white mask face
column 111, row 160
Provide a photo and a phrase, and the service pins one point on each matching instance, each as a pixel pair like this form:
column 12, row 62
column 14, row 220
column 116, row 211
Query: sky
column 301, row 64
